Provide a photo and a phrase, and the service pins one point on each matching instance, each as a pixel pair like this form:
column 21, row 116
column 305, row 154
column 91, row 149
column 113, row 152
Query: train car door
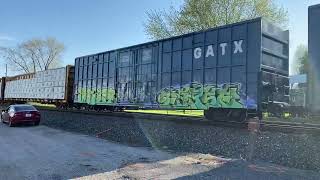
column 125, row 78
column 145, row 77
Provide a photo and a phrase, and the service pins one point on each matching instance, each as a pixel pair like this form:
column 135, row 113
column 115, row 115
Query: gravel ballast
column 287, row 149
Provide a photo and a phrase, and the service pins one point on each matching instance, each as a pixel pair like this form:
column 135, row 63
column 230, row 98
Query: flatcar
column 231, row 72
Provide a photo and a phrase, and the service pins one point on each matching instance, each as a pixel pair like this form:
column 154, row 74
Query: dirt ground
column 28, row 152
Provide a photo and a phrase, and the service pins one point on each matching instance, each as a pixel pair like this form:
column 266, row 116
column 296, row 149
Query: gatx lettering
column 197, row 52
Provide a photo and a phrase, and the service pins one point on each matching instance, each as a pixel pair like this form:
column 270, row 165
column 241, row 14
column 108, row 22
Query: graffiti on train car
column 190, row 96
column 99, row 96
column 199, row 96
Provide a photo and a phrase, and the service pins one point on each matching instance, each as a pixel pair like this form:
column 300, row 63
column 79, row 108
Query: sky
column 87, row 27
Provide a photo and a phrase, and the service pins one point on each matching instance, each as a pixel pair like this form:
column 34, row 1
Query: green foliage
column 195, row 15
column 301, row 59
column 303, row 69
column 303, row 63
column 198, row 96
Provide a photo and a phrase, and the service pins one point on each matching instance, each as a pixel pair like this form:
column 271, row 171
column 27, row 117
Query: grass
column 289, row 118
column 194, row 113
column 42, row 105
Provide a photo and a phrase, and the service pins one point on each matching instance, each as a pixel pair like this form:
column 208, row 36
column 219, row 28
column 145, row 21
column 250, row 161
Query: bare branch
column 33, row 55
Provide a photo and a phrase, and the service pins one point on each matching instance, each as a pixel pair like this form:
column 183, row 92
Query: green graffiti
column 209, row 96
column 108, row 95
column 199, row 96
column 228, row 97
column 99, row 96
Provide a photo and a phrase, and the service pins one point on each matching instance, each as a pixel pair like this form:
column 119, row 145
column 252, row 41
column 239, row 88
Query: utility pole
column 6, row 70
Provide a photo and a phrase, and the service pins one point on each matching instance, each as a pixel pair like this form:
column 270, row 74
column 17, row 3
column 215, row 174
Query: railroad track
column 291, row 127
column 287, row 127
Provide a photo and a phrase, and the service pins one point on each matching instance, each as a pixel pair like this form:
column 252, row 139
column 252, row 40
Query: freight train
column 232, row 72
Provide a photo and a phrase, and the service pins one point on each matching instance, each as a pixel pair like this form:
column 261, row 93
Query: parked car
column 17, row 114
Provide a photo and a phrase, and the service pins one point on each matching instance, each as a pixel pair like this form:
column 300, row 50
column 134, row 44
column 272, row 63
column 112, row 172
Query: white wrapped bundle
column 48, row 84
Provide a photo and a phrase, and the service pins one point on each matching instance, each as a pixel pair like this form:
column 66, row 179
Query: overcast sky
column 87, row 27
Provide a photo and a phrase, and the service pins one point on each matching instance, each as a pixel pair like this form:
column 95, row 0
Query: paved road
column 45, row 153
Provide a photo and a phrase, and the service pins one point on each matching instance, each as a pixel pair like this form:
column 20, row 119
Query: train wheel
column 216, row 114
column 209, row 114
column 238, row 115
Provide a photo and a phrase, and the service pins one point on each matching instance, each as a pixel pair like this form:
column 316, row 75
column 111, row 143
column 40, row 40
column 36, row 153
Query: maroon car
column 16, row 114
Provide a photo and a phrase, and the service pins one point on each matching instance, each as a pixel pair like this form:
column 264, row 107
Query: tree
column 33, row 55
column 195, row 15
column 300, row 62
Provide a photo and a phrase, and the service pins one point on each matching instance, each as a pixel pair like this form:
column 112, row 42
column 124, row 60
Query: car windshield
column 24, row 108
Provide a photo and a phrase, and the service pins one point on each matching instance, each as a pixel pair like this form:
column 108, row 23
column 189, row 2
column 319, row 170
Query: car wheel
column 36, row 123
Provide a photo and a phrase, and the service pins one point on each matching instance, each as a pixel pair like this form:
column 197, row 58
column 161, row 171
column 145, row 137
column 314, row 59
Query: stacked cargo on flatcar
column 43, row 86
column 230, row 69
